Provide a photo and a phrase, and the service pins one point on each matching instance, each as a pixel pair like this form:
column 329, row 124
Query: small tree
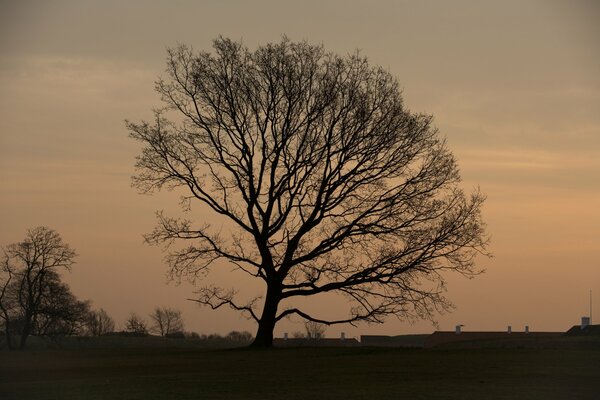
column 28, row 280
column 331, row 186
column 243, row 337
column 192, row 335
column 99, row 323
column 314, row 330
column 166, row 321
column 136, row 325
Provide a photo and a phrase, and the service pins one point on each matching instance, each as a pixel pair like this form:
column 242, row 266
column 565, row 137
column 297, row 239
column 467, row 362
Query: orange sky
column 513, row 85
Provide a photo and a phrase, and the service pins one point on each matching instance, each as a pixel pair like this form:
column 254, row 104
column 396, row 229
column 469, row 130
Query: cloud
column 63, row 108
column 527, row 160
column 510, row 168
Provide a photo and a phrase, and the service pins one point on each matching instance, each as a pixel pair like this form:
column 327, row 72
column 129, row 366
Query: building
column 584, row 329
column 479, row 338
column 438, row 338
column 323, row 342
column 393, row 341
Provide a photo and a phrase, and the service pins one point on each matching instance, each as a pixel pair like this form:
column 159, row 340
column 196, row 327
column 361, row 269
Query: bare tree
column 314, row 330
column 29, row 270
column 99, row 323
column 136, row 325
column 329, row 183
column 8, row 304
column 243, row 337
column 60, row 312
column 166, row 321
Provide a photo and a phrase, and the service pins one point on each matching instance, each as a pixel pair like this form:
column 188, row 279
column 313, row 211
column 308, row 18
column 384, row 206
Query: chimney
column 457, row 331
column 343, row 335
column 509, row 330
column 526, row 328
column 585, row 321
column 285, row 336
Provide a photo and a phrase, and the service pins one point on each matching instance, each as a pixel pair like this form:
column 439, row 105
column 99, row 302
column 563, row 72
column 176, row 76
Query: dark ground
column 569, row 372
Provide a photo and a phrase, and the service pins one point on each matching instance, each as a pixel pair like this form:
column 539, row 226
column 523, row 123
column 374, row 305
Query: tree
column 166, row 321
column 60, row 312
column 329, row 184
column 298, row 335
column 99, row 323
column 30, row 280
column 314, row 330
column 8, row 305
column 243, row 337
column 136, row 325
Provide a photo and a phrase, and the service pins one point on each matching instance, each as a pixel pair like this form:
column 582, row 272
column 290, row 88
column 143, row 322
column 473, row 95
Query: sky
column 514, row 87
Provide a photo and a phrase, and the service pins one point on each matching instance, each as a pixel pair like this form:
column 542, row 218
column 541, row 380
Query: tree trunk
column 264, row 334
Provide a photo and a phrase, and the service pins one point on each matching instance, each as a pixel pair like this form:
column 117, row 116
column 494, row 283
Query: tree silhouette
column 166, row 321
column 31, row 291
column 330, row 183
column 136, row 325
column 314, row 330
column 99, row 323
column 60, row 313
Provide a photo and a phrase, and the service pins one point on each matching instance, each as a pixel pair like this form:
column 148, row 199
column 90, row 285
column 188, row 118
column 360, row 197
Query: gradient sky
column 514, row 87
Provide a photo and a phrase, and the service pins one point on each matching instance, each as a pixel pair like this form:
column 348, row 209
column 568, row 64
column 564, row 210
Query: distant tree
column 166, row 321
column 239, row 337
column 8, row 304
column 192, row 335
column 314, row 330
column 329, row 184
column 176, row 335
column 99, row 323
column 136, row 325
column 298, row 335
column 60, row 312
column 29, row 280
column 214, row 337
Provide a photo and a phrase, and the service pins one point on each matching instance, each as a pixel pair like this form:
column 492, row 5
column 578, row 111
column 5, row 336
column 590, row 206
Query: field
column 569, row 372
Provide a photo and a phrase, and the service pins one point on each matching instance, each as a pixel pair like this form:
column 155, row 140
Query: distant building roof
column 589, row 330
column 441, row 337
column 415, row 340
column 435, row 339
column 323, row 342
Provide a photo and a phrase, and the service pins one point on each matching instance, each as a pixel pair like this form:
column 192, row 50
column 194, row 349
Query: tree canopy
column 33, row 300
column 331, row 184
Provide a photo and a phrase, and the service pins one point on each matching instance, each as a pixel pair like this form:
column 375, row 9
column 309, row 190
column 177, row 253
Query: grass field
column 301, row 373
